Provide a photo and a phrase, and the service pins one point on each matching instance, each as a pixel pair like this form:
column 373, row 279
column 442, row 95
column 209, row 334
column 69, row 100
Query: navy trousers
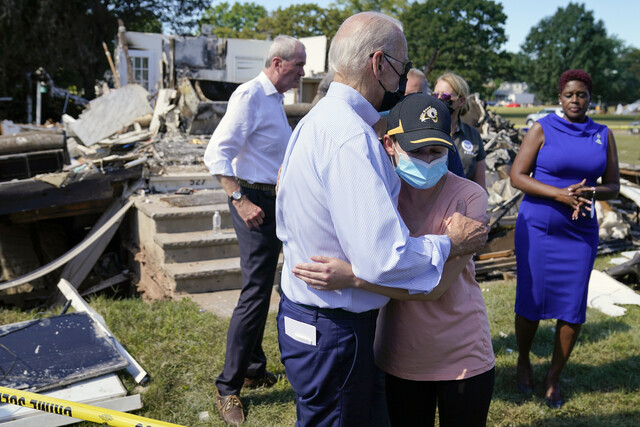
column 259, row 250
column 336, row 381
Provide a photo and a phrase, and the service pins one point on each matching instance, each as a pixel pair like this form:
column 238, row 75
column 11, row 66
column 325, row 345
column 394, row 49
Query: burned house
column 64, row 185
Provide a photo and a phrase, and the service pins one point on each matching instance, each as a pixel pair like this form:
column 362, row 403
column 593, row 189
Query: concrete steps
column 192, row 246
column 179, row 253
column 208, row 276
column 205, row 276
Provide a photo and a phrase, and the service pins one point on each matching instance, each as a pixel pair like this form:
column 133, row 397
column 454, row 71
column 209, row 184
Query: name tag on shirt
column 300, row 331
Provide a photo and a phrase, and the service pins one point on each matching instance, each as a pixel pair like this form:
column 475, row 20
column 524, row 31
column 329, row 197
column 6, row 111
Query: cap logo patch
column 429, row 113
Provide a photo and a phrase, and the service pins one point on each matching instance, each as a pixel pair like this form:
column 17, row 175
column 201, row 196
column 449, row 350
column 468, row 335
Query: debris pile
column 121, row 138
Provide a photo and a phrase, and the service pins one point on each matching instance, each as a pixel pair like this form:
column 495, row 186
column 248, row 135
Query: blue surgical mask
column 420, row 174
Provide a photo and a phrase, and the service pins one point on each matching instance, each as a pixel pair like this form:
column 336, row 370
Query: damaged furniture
column 75, row 350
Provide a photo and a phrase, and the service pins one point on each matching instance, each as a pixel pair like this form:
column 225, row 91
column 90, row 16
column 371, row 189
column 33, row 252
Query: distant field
column 628, row 145
column 517, row 115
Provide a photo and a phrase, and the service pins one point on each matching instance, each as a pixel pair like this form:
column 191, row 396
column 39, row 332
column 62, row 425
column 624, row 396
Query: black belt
column 335, row 313
column 269, row 188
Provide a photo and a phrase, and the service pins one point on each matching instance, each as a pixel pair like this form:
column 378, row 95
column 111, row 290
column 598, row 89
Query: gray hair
column 419, row 75
column 282, row 47
column 359, row 36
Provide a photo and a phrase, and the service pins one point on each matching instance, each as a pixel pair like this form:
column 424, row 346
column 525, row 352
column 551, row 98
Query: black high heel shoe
column 526, row 389
column 553, row 403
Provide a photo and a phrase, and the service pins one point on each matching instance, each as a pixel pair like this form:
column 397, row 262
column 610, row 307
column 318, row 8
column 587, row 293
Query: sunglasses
column 406, row 66
column 444, row 96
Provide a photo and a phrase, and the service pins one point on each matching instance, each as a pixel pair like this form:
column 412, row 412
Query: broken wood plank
column 113, row 68
column 498, row 254
column 126, row 138
column 122, row 41
column 112, row 281
column 164, row 103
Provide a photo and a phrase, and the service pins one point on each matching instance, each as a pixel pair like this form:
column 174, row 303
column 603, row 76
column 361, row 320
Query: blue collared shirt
column 250, row 140
column 338, row 197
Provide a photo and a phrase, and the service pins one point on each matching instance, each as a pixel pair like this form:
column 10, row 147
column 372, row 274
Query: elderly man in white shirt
column 337, row 197
column 245, row 153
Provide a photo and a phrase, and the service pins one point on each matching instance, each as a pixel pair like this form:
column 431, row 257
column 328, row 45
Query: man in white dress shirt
column 337, row 197
column 245, row 153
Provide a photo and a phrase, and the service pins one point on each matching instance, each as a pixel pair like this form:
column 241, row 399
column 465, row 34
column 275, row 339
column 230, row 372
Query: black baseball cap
column 419, row 120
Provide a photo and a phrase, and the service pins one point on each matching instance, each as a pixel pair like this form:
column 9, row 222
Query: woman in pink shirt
column 436, row 348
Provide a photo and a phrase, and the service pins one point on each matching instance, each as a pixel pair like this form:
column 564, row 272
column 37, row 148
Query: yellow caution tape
column 77, row 410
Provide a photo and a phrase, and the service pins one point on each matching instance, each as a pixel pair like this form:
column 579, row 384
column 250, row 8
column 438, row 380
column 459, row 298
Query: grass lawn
column 628, row 148
column 182, row 348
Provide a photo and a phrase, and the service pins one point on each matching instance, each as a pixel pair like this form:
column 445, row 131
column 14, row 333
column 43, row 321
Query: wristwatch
column 236, row 195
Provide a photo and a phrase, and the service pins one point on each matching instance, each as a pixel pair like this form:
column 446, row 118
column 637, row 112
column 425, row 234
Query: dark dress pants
column 459, row 402
column 259, row 250
column 335, row 380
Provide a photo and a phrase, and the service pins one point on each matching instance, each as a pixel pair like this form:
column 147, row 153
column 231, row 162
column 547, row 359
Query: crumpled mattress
column 606, row 294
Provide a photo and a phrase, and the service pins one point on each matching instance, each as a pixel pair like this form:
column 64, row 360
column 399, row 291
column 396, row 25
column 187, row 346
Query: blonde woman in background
column 453, row 90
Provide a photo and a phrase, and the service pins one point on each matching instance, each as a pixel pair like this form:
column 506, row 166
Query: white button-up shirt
column 250, row 140
column 338, row 197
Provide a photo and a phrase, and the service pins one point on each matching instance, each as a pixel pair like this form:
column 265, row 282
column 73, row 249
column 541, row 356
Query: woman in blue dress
column 556, row 236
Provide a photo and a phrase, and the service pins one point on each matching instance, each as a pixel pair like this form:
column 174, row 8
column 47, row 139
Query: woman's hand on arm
column 326, row 273
column 330, row 274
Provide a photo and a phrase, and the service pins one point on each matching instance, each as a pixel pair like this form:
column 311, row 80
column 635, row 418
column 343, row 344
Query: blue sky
column 620, row 17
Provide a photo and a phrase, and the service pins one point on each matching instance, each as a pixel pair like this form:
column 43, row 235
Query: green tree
column 467, row 33
column 571, row 38
column 303, row 20
column 623, row 78
column 391, row 7
column 67, row 41
column 235, row 21
column 176, row 16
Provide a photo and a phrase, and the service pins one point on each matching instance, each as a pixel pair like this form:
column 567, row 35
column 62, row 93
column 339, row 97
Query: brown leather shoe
column 267, row 380
column 230, row 409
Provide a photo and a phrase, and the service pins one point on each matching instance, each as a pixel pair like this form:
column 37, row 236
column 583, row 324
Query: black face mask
column 449, row 104
column 392, row 98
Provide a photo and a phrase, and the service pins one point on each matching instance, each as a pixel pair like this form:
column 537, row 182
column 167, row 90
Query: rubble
column 110, row 113
column 120, row 139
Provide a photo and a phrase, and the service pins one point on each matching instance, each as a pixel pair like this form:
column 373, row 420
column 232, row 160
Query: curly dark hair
column 571, row 75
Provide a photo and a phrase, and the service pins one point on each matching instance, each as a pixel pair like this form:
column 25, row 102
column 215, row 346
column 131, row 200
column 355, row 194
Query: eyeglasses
column 444, row 96
column 406, row 66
